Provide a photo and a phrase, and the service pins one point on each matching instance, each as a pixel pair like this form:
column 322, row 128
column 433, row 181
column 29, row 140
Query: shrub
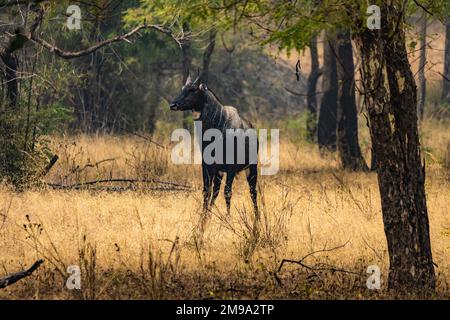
column 24, row 152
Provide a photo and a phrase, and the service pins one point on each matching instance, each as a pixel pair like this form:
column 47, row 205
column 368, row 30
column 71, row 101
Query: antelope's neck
column 213, row 114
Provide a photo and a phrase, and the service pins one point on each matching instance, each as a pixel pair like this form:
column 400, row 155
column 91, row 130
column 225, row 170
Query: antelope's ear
column 203, row 87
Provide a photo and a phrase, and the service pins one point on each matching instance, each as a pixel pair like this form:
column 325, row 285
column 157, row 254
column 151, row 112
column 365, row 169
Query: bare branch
column 124, row 37
column 423, row 7
column 316, row 268
column 13, row 278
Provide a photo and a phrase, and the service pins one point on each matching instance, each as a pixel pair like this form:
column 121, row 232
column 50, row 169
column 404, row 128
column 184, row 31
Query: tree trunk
column 11, row 43
column 311, row 98
column 326, row 132
column 12, row 83
column 446, row 78
column 422, row 65
column 373, row 161
column 186, row 60
column 390, row 98
column 186, row 54
column 207, row 54
column 347, row 116
column 154, row 102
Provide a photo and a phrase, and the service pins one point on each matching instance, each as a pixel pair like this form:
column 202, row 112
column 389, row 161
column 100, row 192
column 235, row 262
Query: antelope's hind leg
column 252, row 179
column 207, row 183
column 217, row 180
column 228, row 189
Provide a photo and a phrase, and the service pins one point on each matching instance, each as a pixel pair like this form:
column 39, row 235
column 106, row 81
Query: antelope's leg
column 252, row 176
column 228, row 189
column 252, row 179
column 207, row 182
column 217, row 180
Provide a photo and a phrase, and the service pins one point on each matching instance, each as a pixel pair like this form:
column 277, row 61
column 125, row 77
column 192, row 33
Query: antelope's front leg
column 207, row 183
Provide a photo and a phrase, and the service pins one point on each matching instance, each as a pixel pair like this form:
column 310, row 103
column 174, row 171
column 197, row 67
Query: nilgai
column 196, row 96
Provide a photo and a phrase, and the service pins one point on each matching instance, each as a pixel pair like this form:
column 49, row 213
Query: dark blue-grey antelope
column 196, row 96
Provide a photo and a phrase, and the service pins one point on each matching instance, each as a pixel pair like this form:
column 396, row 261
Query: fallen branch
column 132, row 188
column 13, row 278
column 316, row 268
column 90, row 183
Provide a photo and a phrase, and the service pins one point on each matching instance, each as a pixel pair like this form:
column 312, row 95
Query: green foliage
column 22, row 156
column 200, row 14
column 52, row 119
column 295, row 128
column 289, row 24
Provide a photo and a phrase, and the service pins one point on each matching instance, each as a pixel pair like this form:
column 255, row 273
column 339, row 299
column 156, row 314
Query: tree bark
column 10, row 44
column 186, row 54
column 326, row 132
column 186, row 60
column 390, row 98
column 422, row 65
column 347, row 116
column 446, row 78
column 207, row 54
column 311, row 98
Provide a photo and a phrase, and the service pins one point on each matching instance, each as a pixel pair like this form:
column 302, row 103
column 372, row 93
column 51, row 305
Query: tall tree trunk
column 422, row 65
column 326, row 132
column 373, row 160
column 446, row 78
column 347, row 116
column 208, row 53
column 186, row 54
column 12, row 83
column 11, row 43
column 311, row 98
column 154, row 102
column 186, row 61
column 390, row 94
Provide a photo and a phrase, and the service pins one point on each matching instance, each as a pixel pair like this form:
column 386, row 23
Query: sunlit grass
column 142, row 244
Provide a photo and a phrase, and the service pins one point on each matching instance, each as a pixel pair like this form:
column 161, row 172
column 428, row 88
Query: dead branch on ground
column 13, row 278
column 316, row 268
column 171, row 186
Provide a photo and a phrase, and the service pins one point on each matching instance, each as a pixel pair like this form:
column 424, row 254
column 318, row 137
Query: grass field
column 140, row 243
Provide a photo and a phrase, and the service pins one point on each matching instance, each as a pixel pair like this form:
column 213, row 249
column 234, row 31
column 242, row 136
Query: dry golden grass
column 142, row 244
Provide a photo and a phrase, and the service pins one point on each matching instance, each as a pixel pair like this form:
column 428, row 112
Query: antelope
column 196, row 96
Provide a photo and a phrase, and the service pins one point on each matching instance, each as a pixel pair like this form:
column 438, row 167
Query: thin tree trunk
column 186, row 54
column 347, row 116
column 390, row 94
column 446, row 78
column 326, row 132
column 12, row 83
column 186, row 60
column 311, row 98
column 208, row 53
column 11, row 44
column 422, row 65
column 155, row 101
